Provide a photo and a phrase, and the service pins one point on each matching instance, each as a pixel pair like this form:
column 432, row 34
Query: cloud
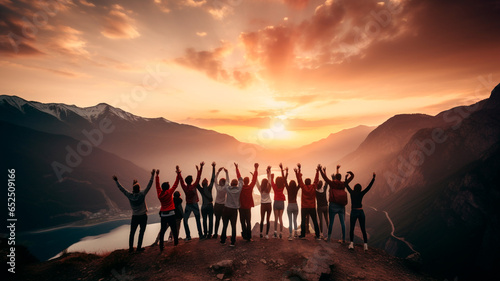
column 119, row 25
column 69, row 41
column 163, row 5
column 86, row 3
column 297, row 4
column 201, row 34
column 210, row 62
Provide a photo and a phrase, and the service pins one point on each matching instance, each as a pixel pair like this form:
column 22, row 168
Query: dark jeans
column 265, row 208
column 187, row 212
column 311, row 212
column 207, row 212
column 246, row 227
column 229, row 215
column 322, row 212
column 218, row 210
column 358, row 215
column 137, row 220
column 340, row 210
column 165, row 223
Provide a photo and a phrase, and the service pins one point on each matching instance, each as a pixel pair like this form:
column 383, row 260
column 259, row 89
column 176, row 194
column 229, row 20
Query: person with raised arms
column 246, row 203
column 192, row 201
column 207, row 207
column 265, row 203
column 139, row 210
column 357, row 212
column 292, row 209
column 308, row 201
column 167, row 210
column 231, row 206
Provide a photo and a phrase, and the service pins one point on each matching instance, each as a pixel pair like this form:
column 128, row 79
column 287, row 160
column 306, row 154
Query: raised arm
column 369, row 185
column 227, row 177
column 198, row 173
column 157, row 180
column 120, row 187
column 212, row 180
column 177, row 179
column 238, row 175
column 322, row 171
column 150, row 184
column 181, row 179
column 349, row 177
column 298, row 174
column 255, row 174
column 285, row 176
column 316, row 177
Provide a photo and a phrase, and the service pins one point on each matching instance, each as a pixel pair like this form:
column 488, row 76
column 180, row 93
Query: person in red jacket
column 337, row 200
column 192, row 201
column 167, row 211
column 246, row 203
column 308, row 208
column 279, row 202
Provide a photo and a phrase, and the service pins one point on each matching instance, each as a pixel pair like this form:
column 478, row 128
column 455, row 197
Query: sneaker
column 188, row 239
column 318, row 238
column 281, row 236
column 223, row 242
column 169, row 240
column 290, row 238
column 366, row 247
column 214, row 236
column 302, row 237
column 231, row 245
column 261, row 236
column 267, row 236
column 275, row 235
column 295, row 234
column 140, row 249
column 130, row 250
column 351, row 246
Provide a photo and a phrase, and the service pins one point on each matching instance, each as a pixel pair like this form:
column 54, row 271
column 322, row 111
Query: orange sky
column 280, row 73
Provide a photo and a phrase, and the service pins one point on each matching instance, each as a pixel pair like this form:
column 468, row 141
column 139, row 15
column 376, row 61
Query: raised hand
column 177, row 169
column 374, row 174
column 115, row 178
column 268, row 169
column 202, row 163
column 338, row 167
column 213, row 164
column 295, row 170
column 281, row 166
column 225, row 170
column 134, row 182
column 318, row 168
column 236, row 165
column 153, row 172
column 220, row 169
column 256, row 165
column 286, row 169
column 158, row 172
column 298, row 165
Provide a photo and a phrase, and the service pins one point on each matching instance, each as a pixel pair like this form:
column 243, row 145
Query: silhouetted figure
column 192, row 202
column 167, row 210
column 279, row 202
column 246, row 203
column 220, row 199
column 292, row 209
column 139, row 210
column 322, row 206
column 265, row 205
column 308, row 208
column 207, row 207
column 357, row 212
column 230, row 213
column 337, row 200
column 179, row 214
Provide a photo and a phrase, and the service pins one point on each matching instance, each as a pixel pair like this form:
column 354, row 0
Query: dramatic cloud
column 119, row 25
column 210, row 62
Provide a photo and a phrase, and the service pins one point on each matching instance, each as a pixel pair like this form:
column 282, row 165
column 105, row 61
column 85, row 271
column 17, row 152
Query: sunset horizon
column 280, row 74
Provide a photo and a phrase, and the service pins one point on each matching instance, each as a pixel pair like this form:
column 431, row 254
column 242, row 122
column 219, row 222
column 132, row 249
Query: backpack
column 338, row 195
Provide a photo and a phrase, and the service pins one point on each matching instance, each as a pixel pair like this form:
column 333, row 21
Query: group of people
column 235, row 196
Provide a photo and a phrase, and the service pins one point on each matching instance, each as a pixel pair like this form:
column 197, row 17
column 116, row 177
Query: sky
column 279, row 73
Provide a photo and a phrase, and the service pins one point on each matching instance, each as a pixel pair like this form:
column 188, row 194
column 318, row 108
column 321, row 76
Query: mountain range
column 437, row 176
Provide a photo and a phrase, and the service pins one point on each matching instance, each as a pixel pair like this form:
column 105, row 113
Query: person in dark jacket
column 192, row 202
column 357, row 212
column 336, row 204
column 207, row 207
column 139, row 210
column 167, row 210
column 246, row 203
column 308, row 203
column 179, row 214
